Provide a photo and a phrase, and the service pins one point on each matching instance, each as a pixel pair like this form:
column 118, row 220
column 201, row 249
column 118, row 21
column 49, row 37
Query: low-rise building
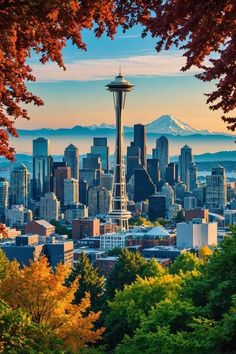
column 113, row 240
column 230, row 217
column 196, row 234
column 85, row 227
column 161, row 252
column 30, row 247
column 40, row 227
column 18, row 216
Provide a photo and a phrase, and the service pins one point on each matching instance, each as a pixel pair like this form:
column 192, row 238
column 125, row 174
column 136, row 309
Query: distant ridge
column 166, row 125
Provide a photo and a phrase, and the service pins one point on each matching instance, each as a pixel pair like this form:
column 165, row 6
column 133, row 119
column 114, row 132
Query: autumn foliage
column 42, row 293
column 199, row 28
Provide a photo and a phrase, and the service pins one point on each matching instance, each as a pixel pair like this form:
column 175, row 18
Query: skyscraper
column 192, row 168
column 60, row 174
column 41, row 168
column 162, row 154
column 143, row 185
column 19, row 183
column 99, row 201
column 4, row 197
column 49, row 207
column 133, row 159
column 101, row 149
column 71, row 191
column 171, row 175
column 216, row 189
column 140, row 141
column 119, row 87
column 71, row 157
column 153, row 169
column 184, row 160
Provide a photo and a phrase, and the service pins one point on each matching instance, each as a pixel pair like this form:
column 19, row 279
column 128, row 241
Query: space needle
column 119, row 214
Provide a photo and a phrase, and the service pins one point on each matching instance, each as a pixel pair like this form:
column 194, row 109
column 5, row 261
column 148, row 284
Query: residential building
column 18, row 216
column 71, row 191
column 99, row 201
column 20, row 184
column 49, row 207
column 4, row 197
column 113, row 240
column 76, row 211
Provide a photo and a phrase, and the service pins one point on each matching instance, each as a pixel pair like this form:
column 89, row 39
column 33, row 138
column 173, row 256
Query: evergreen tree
column 129, row 266
column 88, row 281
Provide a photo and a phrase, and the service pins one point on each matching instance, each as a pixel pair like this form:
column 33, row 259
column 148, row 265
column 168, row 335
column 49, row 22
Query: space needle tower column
column 119, row 87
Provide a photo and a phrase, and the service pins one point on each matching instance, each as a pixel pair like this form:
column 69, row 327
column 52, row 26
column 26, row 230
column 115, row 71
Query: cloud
column 100, row 69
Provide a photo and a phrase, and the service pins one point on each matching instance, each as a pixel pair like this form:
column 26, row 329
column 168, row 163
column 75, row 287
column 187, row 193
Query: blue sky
column 78, row 96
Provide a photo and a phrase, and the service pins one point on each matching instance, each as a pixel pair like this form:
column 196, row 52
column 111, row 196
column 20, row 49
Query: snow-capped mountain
column 102, row 126
column 167, row 124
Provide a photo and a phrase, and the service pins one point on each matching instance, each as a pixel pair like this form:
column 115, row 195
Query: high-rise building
column 192, row 168
column 162, row 154
column 71, row 191
column 20, row 184
column 83, row 192
column 119, row 87
column 168, row 192
column 4, row 189
column 49, row 207
column 4, row 197
column 42, row 165
column 140, row 141
column 153, row 169
column 216, row 189
column 143, row 185
column 190, row 203
column 101, row 149
column 171, row 174
column 76, row 211
column 133, row 160
column 60, row 174
column 71, row 157
column 185, row 160
column 92, row 169
column 157, row 207
column 180, row 190
column 99, row 201
column 106, row 181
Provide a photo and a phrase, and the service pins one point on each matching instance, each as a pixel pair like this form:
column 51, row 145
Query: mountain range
column 166, row 124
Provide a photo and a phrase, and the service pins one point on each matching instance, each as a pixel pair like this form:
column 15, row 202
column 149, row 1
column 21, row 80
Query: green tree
column 18, row 334
column 135, row 301
column 114, row 252
column 88, row 281
column 185, row 262
column 60, row 229
column 180, row 216
column 128, row 267
column 190, row 334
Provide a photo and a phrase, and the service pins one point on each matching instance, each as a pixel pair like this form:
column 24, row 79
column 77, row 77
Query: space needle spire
column 119, row 88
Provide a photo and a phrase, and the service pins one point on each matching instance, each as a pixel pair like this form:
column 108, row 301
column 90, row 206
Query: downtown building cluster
column 95, row 199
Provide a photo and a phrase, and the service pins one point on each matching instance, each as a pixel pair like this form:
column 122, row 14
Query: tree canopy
column 199, row 28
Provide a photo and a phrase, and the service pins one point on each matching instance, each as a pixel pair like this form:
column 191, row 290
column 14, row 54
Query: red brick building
column 196, row 214
column 39, row 227
column 85, row 228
